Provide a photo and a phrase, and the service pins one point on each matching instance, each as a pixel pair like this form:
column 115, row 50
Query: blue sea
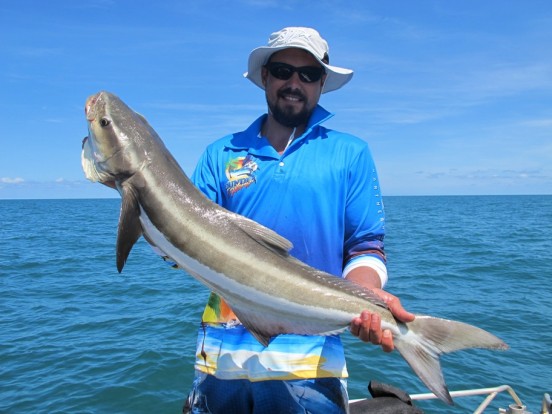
column 77, row 337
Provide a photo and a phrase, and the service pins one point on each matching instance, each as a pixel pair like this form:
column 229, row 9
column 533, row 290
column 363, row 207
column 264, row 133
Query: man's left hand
column 368, row 328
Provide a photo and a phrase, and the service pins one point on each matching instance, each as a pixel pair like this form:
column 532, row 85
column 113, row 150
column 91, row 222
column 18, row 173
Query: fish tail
column 423, row 340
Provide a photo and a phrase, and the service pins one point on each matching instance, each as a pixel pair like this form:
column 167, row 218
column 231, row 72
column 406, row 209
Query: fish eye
column 105, row 122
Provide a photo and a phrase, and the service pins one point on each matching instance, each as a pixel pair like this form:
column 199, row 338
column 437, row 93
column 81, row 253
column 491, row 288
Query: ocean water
column 77, row 337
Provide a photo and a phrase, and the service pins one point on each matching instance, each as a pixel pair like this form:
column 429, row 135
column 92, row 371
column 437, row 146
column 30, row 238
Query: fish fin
column 264, row 330
column 426, row 338
column 261, row 332
column 143, row 118
column 264, row 340
column 130, row 229
column 264, row 235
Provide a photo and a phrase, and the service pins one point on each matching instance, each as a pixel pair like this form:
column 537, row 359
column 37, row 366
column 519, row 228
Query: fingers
column 368, row 325
column 367, row 328
column 387, row 343
column 395, row 306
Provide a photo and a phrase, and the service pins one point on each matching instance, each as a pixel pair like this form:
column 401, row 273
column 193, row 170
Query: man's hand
column 367, row 326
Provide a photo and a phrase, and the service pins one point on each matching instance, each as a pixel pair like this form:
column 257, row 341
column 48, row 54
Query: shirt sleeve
column 365, row 218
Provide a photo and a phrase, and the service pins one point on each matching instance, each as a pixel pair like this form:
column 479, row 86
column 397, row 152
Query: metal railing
column 517, row 408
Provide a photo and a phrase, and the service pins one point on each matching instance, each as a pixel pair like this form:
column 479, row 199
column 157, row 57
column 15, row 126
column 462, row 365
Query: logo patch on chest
column 240, row 173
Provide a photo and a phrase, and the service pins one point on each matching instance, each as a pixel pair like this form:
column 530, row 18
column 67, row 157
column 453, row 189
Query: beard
column 287, row 115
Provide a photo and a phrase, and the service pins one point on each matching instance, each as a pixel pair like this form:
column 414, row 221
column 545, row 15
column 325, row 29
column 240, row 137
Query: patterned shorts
column 214, row 396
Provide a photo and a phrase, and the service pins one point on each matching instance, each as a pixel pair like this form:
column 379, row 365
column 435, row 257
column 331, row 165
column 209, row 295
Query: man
column 319, row 189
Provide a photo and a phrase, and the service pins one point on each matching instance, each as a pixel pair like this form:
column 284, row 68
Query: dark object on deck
column 386, row 399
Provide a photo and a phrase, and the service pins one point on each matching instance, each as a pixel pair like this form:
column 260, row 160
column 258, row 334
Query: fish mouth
column 89, row 107
column 84, row 141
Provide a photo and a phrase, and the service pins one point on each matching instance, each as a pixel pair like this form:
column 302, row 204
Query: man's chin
column 290, row 115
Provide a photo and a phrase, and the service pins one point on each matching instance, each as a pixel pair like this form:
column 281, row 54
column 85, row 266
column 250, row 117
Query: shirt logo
column 240, row 172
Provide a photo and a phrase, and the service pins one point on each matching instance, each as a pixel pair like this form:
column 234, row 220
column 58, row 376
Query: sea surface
column 78, row 337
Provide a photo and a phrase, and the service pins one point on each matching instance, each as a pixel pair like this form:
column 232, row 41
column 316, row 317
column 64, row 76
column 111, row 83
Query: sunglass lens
column 309, row 75
column 283, row 71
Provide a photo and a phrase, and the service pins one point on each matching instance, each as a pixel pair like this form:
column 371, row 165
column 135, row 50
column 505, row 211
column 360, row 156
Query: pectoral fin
column 130, row 229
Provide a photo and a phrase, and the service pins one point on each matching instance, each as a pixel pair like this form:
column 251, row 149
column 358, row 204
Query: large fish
column 245, row 263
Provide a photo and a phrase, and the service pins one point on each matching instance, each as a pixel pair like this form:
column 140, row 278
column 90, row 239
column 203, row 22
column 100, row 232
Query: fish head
column 109, row 152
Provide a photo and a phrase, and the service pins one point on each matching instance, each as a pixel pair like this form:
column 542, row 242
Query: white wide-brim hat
column 302, row 38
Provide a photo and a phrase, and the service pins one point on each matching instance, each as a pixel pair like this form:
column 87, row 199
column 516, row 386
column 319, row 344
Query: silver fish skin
column 247, row 264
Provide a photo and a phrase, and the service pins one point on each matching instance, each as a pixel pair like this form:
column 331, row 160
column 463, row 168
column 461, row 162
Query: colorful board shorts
column 212, row 395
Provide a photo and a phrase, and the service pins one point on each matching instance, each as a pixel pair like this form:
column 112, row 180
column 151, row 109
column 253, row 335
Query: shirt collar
column 249, row 139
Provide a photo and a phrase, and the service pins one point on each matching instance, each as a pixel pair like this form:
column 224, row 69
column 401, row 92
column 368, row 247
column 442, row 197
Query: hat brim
column 336, row 77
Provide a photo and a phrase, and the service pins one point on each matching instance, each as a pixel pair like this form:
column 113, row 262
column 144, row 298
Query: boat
column 356, row 406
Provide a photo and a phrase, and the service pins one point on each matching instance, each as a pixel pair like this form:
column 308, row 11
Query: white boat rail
column 517, row 408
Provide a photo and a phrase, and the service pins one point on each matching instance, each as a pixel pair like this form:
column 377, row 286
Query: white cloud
column 545, row 122
column 9, row 180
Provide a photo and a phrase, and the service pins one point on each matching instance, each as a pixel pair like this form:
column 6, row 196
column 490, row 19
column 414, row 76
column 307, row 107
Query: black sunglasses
column 283, row 71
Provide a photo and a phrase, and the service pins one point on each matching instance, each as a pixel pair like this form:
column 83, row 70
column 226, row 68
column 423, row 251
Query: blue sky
column 454, row 97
